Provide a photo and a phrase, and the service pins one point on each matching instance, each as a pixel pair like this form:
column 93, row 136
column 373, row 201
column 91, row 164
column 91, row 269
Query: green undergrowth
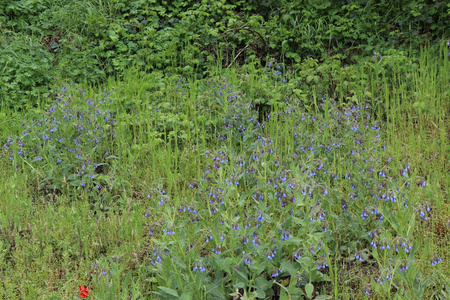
column 322, row 181
column 45, row 40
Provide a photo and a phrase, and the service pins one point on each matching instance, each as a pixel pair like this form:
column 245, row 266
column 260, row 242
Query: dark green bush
column 26, row 70
column 86, row 40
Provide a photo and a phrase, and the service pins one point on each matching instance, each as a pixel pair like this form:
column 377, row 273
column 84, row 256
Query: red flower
column 84, row 291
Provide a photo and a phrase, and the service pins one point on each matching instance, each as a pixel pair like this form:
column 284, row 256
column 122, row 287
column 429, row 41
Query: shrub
column 27, row 71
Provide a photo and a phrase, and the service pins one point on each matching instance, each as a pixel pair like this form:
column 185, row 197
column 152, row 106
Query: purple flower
column 436, row 260
column 403, row 266
column 286, row 235
column 359, row 257
column 374, row 243
column 364, row 214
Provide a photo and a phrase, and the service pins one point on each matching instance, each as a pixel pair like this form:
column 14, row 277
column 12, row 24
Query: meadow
column 328, row 181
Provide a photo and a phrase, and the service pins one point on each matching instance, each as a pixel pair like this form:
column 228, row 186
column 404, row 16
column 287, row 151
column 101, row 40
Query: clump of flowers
column 262, row 188
column 436, row 260
column 69, row 146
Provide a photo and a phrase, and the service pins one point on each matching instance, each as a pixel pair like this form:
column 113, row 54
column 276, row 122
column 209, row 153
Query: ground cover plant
column 323, row 181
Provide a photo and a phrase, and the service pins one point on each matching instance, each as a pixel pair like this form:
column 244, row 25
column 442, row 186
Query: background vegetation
column 87, row 41
column 224, row 149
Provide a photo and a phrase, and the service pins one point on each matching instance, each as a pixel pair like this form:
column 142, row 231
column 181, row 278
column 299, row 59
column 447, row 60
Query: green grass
column 57, row 233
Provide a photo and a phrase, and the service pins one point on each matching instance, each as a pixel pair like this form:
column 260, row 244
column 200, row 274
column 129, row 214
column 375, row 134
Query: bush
column 26, row 71
column 91, row 39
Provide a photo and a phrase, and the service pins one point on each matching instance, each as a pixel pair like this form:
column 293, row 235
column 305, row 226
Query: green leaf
column 113, row 36
column 262, row 266
column 186, row 296
column 260, row 294
column 290, row 267
column 283, row 295
column 262, row 283
column 306, row 262
column 239, row 285
column 179, row 263
column 223, row 265
column 242, row 276
column 168, row 291
column 309, row 288
column 293, row 241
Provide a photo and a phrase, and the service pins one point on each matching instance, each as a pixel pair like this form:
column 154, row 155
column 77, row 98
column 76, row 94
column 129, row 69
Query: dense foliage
column 86, row 40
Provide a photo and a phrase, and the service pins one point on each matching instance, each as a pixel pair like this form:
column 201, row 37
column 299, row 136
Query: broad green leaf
column 186, row 296
column 260, row 294
column 262, row 283
column 290, row 267
column 283, row 295
column 222, row 264
column 309, row 288
column 168, row 291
